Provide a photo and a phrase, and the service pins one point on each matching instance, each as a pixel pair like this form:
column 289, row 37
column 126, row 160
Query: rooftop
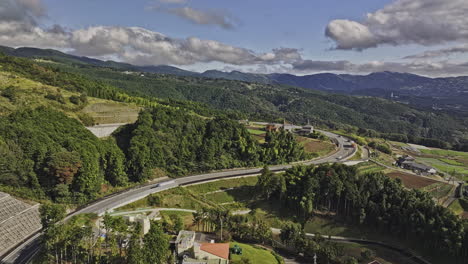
column 185, row 237
column 218, row 249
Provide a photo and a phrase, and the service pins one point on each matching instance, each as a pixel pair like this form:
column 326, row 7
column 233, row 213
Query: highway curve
column 25, row 251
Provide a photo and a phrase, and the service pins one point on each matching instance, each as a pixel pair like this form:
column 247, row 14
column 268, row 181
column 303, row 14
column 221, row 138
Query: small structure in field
column 272, row 127
column 409, row 163
column 184, row 242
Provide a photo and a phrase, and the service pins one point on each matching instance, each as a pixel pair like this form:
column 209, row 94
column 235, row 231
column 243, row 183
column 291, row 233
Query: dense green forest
column 45, row 153
column 252, row 100
column 374, row 201
column 180, row 142
column 74, row 241
column 75, row 82
column 272, row 102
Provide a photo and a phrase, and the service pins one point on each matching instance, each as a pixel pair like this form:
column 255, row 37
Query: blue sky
column 298, row 36
column 262, row 24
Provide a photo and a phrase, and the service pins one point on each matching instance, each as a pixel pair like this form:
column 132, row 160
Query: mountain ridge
column 450, row 93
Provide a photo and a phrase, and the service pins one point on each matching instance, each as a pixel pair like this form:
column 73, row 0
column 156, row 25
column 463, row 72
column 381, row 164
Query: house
column 212, row 251
column 204, row 261
column 272, row 127
column 289, row 127
column 408, row 163
column 143, row 220
column 184, row 242
column 306, row 130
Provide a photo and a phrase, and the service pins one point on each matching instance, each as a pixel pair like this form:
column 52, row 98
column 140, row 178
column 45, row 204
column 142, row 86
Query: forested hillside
column 47, row 153
column 270, row 102
column 179, row 143
column 44, row 153
column 374, row 201
column 253, row 100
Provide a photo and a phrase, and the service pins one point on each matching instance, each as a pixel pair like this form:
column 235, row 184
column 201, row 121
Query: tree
column 64, row 165
column 178, row 223
column 51, row 214
column 156, row 245
column 74, row 99
column 264, row 183
column 10, row 93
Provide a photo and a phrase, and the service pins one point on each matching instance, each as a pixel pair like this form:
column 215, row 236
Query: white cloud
column 204, row 17
column 439, row 68
column 424, row 22
column 440, row 52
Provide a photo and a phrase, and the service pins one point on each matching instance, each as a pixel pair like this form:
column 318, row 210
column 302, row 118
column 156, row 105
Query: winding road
column 25, row 251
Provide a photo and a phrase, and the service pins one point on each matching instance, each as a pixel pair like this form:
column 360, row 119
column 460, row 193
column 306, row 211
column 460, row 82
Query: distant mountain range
column 449, row 93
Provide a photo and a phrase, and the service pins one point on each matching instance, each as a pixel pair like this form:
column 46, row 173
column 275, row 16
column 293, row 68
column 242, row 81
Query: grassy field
column 326, row 225
column 443, row 166
column 256, row 255
column 383, row 255
column 452, row 162
column 222, row 185
column 111, row 112
column 321, row 148
column 445, row 153
column 368, row 167
column 31, row 94
column 187, row 217
column 456, row 207
column 212, row 194
column 256, row 131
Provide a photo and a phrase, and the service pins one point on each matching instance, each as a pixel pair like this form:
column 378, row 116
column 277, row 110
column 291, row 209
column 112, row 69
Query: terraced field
column 369, row 167
column 31, row 94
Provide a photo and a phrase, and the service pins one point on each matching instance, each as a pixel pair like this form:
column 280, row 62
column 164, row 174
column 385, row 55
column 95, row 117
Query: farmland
column 412, row 181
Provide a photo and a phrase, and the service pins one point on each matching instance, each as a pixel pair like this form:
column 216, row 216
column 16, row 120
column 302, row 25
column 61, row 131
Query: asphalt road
column 24, row 252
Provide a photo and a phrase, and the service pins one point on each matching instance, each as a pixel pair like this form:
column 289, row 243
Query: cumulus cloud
column 425, row 22
column 144, row 47
column 130, row 44
column 26, row 11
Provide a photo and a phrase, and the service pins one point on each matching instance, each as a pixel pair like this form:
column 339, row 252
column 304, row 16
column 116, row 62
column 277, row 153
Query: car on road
column 166, row 183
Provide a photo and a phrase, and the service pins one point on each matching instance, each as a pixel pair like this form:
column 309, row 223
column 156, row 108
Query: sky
column 426, row 37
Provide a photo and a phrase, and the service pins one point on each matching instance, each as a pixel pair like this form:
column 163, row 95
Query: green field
column 442, row 191
column 198, row 196
column 31, row 94
column 186, row 217
column 222, row 185
column 443, row 166
column 256, row 131
column 368, row 167
column 317, row 147
column 445, row 153
column 456, row 207
column 256, row 255
column 452, row 162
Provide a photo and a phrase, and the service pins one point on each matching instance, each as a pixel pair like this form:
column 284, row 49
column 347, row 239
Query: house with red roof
column 212, row 251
